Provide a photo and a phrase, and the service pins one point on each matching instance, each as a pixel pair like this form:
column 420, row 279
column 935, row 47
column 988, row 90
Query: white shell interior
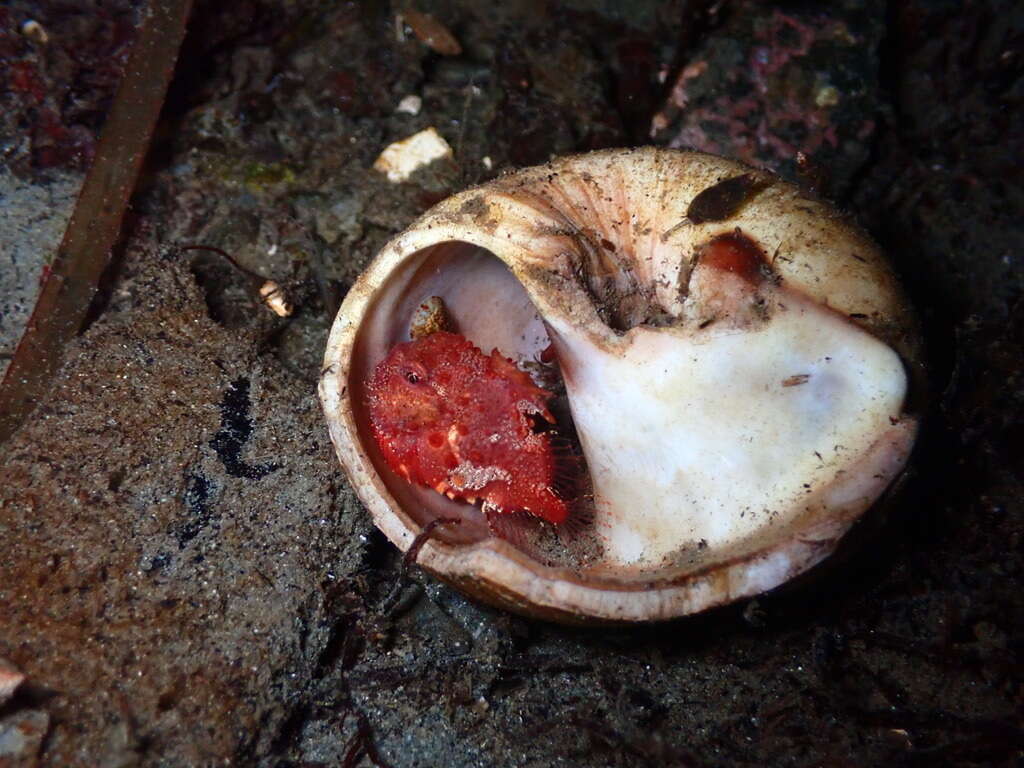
column 704, row 437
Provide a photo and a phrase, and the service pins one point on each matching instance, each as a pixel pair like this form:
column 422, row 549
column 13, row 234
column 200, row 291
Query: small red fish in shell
column 469, row 425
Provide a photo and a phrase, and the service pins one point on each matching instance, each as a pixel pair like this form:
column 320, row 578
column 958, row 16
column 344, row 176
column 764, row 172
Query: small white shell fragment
column 10, row 679
column 410, row 105
column 403, row 158
column 33, row 30
column 273, row 297
column 826, row 96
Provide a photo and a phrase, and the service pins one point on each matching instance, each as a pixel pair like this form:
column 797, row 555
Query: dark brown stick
column 95, row 225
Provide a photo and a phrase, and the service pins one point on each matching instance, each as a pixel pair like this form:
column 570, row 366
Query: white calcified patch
column 711, row 435
column 468, row 476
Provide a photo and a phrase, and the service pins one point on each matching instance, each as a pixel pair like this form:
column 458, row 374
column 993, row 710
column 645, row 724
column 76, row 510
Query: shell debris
column 410, row 105
column 274, row 298
column 431, row 32
column 403, row 158
column 35, row 31
column 10, row 679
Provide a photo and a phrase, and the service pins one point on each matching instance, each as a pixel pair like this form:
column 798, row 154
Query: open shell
column 734, row 427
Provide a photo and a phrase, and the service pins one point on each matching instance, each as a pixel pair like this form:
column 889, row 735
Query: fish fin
column 514, row 527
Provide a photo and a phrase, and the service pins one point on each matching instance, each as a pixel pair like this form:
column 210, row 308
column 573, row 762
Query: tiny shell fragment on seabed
column 10, row 679
column 403, row 158
column 431, row 32
column 410, row 105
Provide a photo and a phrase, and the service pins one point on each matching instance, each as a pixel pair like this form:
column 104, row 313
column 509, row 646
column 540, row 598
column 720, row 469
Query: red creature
column 468, row 425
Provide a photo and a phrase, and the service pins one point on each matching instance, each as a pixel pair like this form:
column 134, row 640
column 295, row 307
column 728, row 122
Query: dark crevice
column 197, row 502
column 236, row 428
column 291, row 728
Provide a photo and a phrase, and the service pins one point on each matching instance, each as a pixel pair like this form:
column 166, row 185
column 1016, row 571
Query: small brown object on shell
column 430, row 317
